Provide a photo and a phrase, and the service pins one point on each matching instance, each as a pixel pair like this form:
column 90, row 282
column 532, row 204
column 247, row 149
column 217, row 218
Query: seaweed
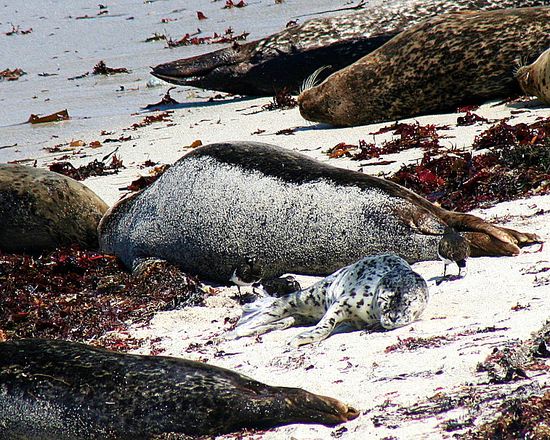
column 227, row 37
column 78, row 294
column 166, row 100
column 102, row 69
column 282, row 100
column 145, row 181
column 516, row 164
column 470, row 118
column 519, row 419
column 11, row 75
column 94, row 168
column 229, row 4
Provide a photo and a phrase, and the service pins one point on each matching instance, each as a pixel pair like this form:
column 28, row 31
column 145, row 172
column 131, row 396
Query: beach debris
column 102, row 69
column 519, row 418
column 148, row 120
column 94, row 168
column 61, row 115
column 201, row 16
column 282, row 100
column 144, row 181
column 516, row 164
column 155, row 37
column 165, row 101
column 341, row 150
column 11, row 75
column 16, row 30
column 286, row 131
column 230, row 4
column 410, row 136
column 411, row 343
column 76, row 295
column 195, row 144
column 227, row 37
column 470, row 118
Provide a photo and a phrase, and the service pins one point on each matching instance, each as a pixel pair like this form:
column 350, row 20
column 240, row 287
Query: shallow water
column 64, row 45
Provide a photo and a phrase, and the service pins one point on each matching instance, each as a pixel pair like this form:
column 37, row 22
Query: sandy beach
column 398, row 379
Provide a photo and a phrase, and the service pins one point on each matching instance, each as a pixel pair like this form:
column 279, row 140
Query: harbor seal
column 534, row 79
column 41, row 210
column 436, row 66
column 222, row 203
column 376, row 291
column 64, row 390
column 285, row 59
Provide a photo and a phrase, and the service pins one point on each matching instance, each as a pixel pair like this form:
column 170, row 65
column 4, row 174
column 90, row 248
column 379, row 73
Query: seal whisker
column 311, row 80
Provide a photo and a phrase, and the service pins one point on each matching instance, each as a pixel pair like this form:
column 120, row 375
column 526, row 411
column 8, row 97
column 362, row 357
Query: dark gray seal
column 223, row 203
column 58, row 390
column 41, row 210
column 436, row 66
column 286, row 58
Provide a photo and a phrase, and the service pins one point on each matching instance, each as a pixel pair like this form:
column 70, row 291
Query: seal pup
column 286, row 58
column 435, row 66
column 377, row 291
column 41, row 210
column 223, row 202
column 453, row 247
column 64, row 390
column 534, row 79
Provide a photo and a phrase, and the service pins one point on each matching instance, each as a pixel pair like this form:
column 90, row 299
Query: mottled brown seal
column 438, row 65
column 41, row 210
column 534, row 79
column 225, row 203
column 67, row 391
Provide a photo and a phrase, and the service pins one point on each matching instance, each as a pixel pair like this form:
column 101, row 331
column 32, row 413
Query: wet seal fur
column 41, row 210
column 534, row 79
column 436, row 66
column 377, row 291
column 223, row 202
column 64, row 390
column 287, row 58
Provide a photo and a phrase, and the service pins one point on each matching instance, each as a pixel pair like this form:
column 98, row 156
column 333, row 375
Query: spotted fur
column 534, row 79
column 442, row 63
column 377, row 291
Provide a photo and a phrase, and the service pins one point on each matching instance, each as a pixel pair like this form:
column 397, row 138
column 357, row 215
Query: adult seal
column 436, row 66
column 223, row 203
column 41, row 210
column 64, row 390
column 287, row 58
column 534, row 79
column 379, row 291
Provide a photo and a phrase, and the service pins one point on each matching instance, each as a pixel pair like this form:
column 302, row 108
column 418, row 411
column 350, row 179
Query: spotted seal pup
column 286, row 58
column 534, row 79
column 436, row 66
column 222, row 203
column 377, row 291
column 64, row 390
column 41, row 210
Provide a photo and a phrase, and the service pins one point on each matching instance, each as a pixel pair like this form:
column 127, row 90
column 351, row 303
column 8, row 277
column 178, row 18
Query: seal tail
column 264, row 315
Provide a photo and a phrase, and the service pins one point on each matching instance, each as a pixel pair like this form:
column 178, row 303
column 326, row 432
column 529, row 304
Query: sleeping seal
column 286, row 58
column 41, row 210
column 436, row 66
column 534, row 79
column 224, row 203
column 67, row 391
column 376, row 291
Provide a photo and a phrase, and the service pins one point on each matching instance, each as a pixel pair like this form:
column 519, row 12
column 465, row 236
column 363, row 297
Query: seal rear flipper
column 482, row 244
column 488, row 239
